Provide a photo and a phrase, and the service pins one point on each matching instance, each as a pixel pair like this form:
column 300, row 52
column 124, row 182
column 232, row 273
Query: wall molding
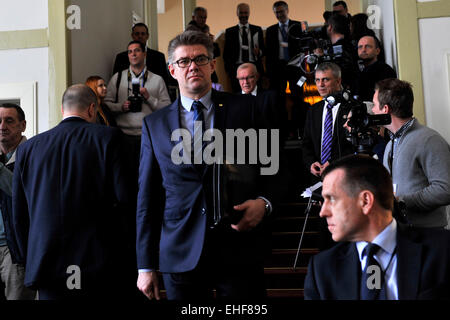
column 24, row 39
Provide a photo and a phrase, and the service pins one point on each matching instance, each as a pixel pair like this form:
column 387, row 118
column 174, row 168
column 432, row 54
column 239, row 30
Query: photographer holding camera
column 133, row 94
column 417, row 157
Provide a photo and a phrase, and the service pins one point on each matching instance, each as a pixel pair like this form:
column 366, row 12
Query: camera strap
column 119, row 78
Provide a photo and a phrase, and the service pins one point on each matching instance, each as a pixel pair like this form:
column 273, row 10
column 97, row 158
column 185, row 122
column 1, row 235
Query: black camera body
column 362, row 135
column 136, row 99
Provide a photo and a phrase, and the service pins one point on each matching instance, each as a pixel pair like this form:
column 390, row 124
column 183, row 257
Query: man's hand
column 144, row 93
column 253, row 214
column 148, row 284
column 126, row 106
column 256, row 51
column 317, row 168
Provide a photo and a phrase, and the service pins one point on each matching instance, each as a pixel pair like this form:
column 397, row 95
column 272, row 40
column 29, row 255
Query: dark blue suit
column 423, row 264
column 68, row 188
column 174, row 236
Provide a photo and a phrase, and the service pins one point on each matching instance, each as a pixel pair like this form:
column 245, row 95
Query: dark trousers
column 240, row 279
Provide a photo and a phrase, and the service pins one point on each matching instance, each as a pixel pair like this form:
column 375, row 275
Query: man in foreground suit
column 68, row 188
column 195, row 255
column 377, row 258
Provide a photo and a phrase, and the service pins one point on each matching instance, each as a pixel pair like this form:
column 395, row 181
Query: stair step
column 284, row 278
column 296, row 209
column 285, row 293
column 294, row 224
column 286, row 257
column 290, row 240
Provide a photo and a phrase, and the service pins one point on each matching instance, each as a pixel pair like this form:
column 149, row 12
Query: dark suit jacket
column 273, row 47
column 232, row 48
column 68, row 183
column 423, row 264
column 155, row 60
column 177, row 228
column 312, row 138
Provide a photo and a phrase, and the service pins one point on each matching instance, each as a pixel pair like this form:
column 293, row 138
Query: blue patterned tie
column 285, row 39
column 327, row 135
column 198, row 130
column 376, row 293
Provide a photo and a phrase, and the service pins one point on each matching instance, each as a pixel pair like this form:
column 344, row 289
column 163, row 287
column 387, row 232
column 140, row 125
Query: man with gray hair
column 69, row 183
column 12, row 125
column 324, row 138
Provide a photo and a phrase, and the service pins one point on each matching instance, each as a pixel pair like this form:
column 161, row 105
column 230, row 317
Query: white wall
column 435, row 58
column 26, row 64
column 387, row 28
column 23, row 14
column 105, row 31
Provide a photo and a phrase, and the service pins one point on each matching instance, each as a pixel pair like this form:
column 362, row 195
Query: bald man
column 68, row 183
column 374, row 70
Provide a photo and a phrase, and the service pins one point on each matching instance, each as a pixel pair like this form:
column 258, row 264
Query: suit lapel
column 173, row 118
column 409, row 265
column 348, row 273
column 219, row 110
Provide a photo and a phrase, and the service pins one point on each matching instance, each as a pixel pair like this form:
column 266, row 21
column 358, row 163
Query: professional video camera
column 362, row 135
column 311, row 42
column 136, row 99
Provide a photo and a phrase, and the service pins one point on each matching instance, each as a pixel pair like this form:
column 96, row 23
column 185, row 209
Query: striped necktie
column 285, row 39
column 327, row 135
column 198, row 130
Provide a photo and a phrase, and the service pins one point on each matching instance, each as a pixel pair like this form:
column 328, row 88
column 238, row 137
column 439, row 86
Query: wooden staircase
column 282, row 281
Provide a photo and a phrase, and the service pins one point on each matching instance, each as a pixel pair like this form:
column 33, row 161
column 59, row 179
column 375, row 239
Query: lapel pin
column 220, row 105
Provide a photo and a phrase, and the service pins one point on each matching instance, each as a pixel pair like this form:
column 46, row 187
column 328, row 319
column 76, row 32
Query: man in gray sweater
column 417, row 157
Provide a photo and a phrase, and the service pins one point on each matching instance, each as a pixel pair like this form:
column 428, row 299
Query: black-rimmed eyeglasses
column 199, row 61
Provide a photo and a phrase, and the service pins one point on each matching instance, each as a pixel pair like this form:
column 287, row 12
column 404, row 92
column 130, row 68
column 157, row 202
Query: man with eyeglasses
column 182, row 238
column 155, row 60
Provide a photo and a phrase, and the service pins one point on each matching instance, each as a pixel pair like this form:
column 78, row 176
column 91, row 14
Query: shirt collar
column 386, row 240
column 282, row 24
column 402, row 129
column 205, row 100
column 244, row 25
column 139, row 75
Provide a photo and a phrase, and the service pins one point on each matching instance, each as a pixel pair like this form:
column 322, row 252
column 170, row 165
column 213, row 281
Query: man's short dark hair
column 398, row 95
column 339, row 24
column 279, row 4
column 198, row 10
column 78, row 97
column 363, row 172
column 340, row 3
column 139, row 24
column 20, row 113
column 137, row 42
column 190, row 38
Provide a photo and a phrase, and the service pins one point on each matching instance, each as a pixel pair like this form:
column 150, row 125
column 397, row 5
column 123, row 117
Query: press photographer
column 133, row 94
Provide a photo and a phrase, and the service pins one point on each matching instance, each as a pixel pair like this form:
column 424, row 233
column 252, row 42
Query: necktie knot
column 197, row 106
column 371, row 249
